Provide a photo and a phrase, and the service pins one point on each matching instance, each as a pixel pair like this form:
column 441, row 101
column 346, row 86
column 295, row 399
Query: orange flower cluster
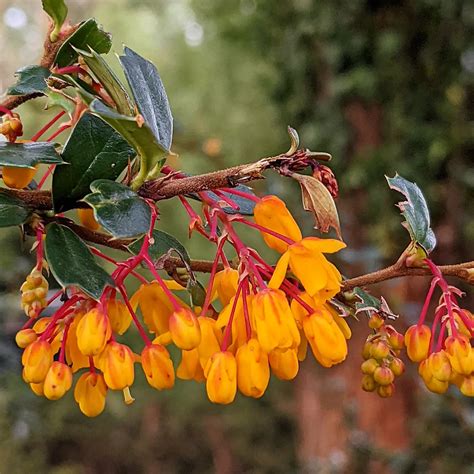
column 264, row 325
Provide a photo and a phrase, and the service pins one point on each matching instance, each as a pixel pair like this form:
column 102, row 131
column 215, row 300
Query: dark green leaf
column 370, row 304
column 89, row 34
column 31, row 79
column 138, row 135
column 118, row 209
column 57, row 10
column 12, row 211
column 94, row 150
column 415, row 211
column 28, row 155
column 162, row 244
column 105, row 76
column 197, row 293
column 150, row 96
column 72, row 263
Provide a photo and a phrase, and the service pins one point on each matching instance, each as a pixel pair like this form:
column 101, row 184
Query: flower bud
column 417, row 340
column 386, row 391
column 158, row 367
column 221, row 375
column 74, row 356
column 37, row 389
column 397, row 366
column 368, row 383
column 119, row 316
column 93, row 332
column 395, row 339
column 459, row 351
column 11, row 127
column 366, row 350
column 117, row 364
column 383, row 376
column 185, row 329
column 90, row 392
column 253, row 372
column 440, row 366
column 225, row 285
column 87, row 218
column 25, row 337
column 376, row 321
column 37, row 359
column 284, row 363
column 436, row 386
column 467, row 386
column 379, row 350
column 190, row 367
column 58, row 381
column 368, row 366
column 211, row 338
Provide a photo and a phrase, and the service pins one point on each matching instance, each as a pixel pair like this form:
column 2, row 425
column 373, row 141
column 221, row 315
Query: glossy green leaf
column 12, row 211
column 150, row 95
column 57, row 10
column 28, row 155
column 31, row 79
column 105, row 76
column 370, row 304
column 94, row 150
column 162, row 244
column 118, row 209
column 415, row 211
column 89, row 34
column 138, row 135
column 72, row 263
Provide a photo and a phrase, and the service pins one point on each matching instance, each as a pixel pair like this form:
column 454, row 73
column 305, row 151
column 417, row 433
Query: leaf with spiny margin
column 72, row 263
column 57, row 10
column 89, row 34
column 415, row 211
column 150, row 95
column 137, row 134
column 12, row 211
column 105, row 76
column 118, row 209
column 94, row 150
column 28, row 155
column 318, row 200
column 370, row 304
column 31, row 80
column 162, row 244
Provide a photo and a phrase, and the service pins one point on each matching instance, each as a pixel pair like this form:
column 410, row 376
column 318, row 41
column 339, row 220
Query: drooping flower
column 211, row 338
column 58, row 381
column 221, row 377
column 184, row 328
column 190, row 366
column 253, row 372
column 116, row 362
column 284, row 363
column 93, row 331
column 90, row 392
column 158, row 366
column 417, row 341
column 225, row 285
column 37, row 359
column 119, row 316
column 238, row 330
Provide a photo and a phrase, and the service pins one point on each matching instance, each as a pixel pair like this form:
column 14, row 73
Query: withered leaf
column 318, row 200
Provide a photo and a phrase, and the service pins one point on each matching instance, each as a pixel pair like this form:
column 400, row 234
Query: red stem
column 142, row 331
column 242, row 194
column 228, row 328
column 6, row 111
column 245, row 293
column 427, row 302
column 267, row 231
column 63, row 342
column 47, row 126
column 58, row 131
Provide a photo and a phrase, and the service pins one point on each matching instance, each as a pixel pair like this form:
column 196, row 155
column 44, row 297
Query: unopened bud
column 383, row 376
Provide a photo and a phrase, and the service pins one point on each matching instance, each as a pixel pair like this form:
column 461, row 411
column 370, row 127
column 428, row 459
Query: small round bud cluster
column 33, row 293
column 381, row 364
column 11, row 127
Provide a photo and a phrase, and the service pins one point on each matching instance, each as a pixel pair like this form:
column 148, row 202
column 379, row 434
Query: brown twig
column 47, row 60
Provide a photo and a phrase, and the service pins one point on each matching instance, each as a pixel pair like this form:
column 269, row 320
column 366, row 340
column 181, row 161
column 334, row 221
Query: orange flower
column 185, row 329
column 37, row 359
column 239, row 330
column 190, row 367
column 58, row 381
column 119, row 316
column 158, row 366
column 225, row 285
column 284, row 363
column 117, row 364
column 253, row 372
column 90, row 393
column 221, row 374
column 93, row 331
column 417, row 340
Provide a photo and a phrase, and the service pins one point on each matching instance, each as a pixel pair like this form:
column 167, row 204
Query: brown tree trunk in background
column 339, row 424
column 224, row 462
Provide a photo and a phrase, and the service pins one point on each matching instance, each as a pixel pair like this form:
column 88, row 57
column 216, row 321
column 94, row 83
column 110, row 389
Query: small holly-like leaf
column 31, row 80
column 94, row 150
column 89, row 34
column 150, row 96
column 105, row 76
column 57, row 10
column 72, row 263
column 415, row 211
column 12, row 211
column 318, row 200
column 370, row 304
column 28, row 155
column 118, row 209
column 162, row 244
column 138, row 134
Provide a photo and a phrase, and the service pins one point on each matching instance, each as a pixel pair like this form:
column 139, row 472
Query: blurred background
column 384, row 86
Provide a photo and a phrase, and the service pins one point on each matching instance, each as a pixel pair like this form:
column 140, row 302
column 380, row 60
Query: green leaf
column 57, row 10
column 105, row 76
column 118, row 209
column 246, row 206
column 162, row 244
column 94, row 150
column 415, row 211
column 12, row 211
column 197, row 293
column 72, row 263
column 31, row 79
column 138, row 135
column 28, row 155
column 89, row 34
column 370, row 304
column 150, row 96
column 59, row 99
